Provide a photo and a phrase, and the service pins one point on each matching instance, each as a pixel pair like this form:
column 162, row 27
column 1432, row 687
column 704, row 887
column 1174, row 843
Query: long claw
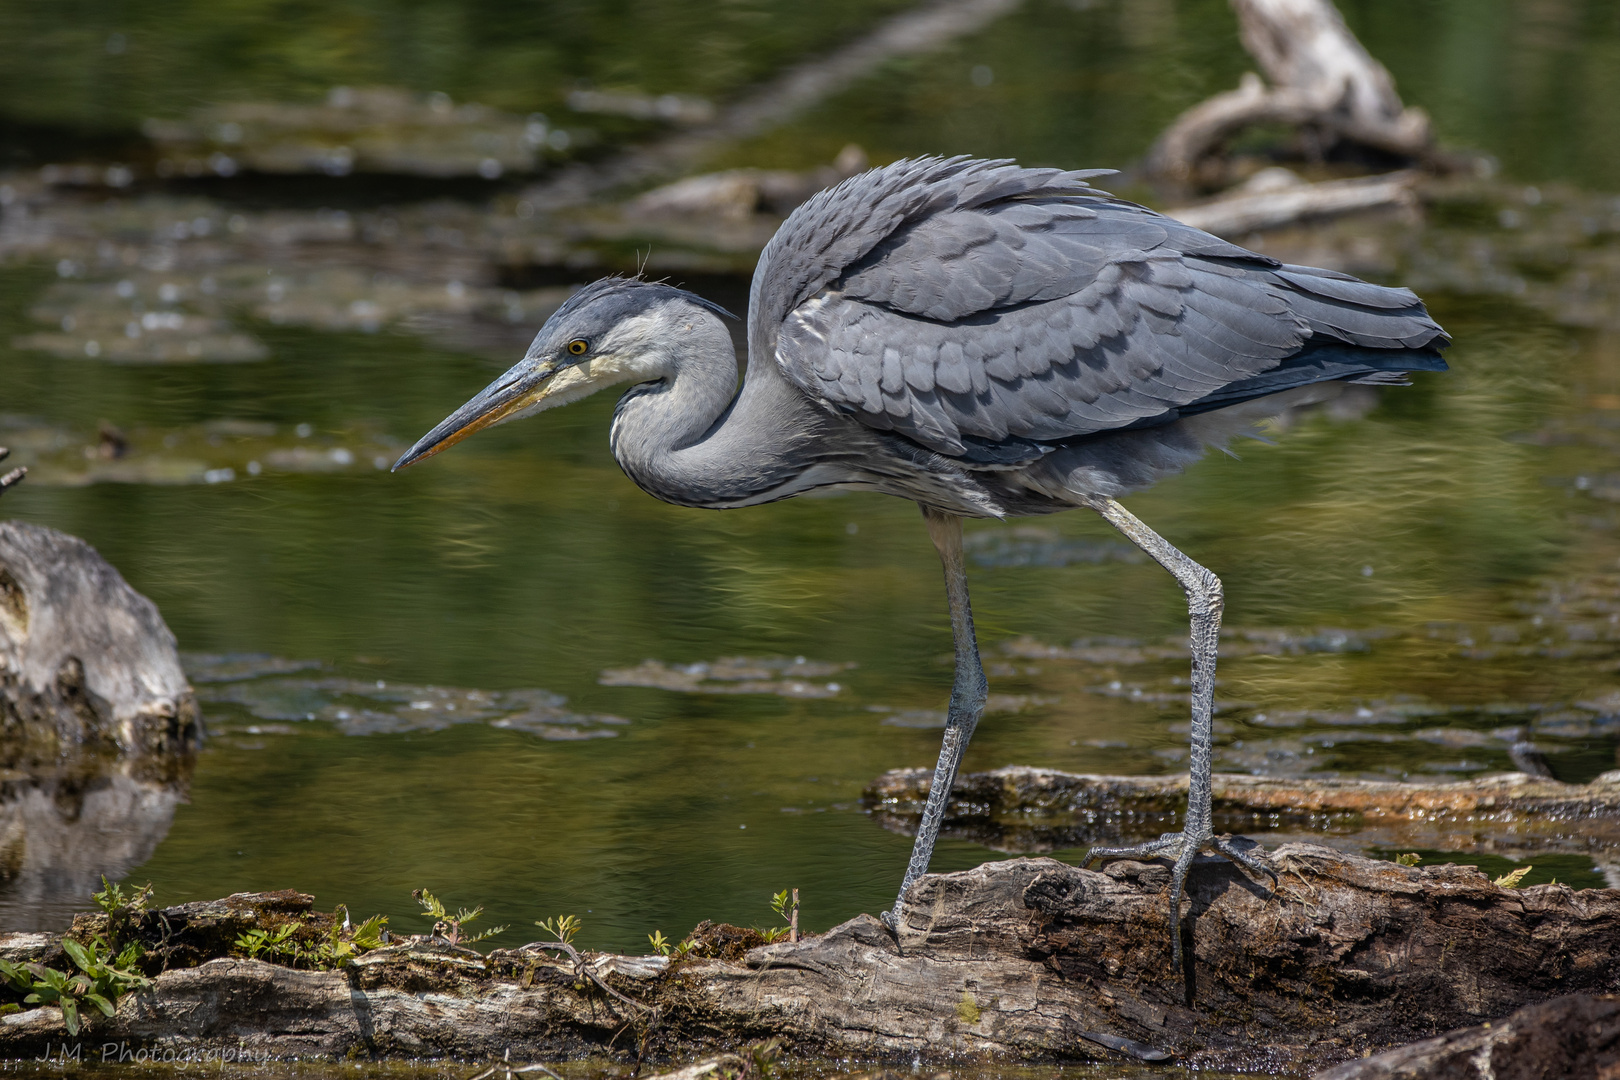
column 1182, row 848
column 1245, row 859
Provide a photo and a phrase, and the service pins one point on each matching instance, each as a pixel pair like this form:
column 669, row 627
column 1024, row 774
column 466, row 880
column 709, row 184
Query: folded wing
column 991, row 331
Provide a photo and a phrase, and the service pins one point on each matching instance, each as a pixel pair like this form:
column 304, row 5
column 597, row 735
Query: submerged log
column 85, row 660
column 1323, row 83
column 1028, row 959
column 1022, row 809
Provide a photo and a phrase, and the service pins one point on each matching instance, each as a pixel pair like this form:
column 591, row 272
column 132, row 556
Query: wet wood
column 1027, row 959
column 1023, row 809
column 1578, row 1035
column 1321, row 82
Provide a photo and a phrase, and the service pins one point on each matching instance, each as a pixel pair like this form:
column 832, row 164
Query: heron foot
column 1180, row 849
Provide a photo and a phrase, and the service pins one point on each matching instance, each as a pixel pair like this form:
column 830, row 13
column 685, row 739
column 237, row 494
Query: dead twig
column 12, row 478
column 584, row 972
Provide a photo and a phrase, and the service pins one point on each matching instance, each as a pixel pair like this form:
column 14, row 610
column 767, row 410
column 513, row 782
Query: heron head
column 612, row 331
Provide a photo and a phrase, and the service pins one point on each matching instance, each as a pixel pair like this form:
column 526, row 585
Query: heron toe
column 1180, row 849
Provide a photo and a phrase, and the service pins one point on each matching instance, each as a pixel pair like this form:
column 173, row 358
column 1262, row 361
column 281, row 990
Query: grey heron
column 986, row 340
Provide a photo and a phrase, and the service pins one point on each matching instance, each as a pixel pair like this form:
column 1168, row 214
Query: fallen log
column 1578, row 1035
column 1028, row 959
column 1323, row 83
column 1021, row 809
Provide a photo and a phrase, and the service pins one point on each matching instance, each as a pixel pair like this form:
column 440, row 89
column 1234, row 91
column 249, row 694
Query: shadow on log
column 1028, row 959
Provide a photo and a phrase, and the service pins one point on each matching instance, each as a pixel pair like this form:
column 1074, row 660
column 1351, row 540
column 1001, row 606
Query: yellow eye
column 578, row 346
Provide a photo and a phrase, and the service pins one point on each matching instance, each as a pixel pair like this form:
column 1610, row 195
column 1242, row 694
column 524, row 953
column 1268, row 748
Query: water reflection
column 65, row 825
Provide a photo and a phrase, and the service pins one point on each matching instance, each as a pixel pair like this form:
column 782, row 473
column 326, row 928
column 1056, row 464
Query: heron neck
column 694, row 439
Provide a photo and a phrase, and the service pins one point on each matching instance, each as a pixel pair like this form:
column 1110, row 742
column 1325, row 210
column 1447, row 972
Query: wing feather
column 985, row 310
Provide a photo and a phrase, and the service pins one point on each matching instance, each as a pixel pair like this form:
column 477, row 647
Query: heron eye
column 578, row 346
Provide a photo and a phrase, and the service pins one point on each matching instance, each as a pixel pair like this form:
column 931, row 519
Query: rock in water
column 85, row 660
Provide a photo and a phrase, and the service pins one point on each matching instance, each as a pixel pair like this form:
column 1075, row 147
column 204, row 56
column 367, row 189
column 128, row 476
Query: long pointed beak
column 502, row 399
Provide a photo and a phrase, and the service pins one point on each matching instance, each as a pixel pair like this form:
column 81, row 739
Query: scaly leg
column 1204, row 605
column 968, row 694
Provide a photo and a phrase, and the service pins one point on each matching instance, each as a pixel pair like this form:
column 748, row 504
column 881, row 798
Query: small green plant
column 113, row 900
column 664, row 947
column 1511, row 879
column 1411, row 858
column 762, row 1059
column 101, row 980
column 343, row 943
column 274, row 944
column 564, row 927
column 449, row 926
column 786, row 906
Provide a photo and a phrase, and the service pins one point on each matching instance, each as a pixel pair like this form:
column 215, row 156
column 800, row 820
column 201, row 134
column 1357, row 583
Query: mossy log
column 1027, row 810
column 1028, row 959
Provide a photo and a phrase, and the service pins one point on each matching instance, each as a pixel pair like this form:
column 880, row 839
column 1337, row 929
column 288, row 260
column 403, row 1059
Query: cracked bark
column 1028, row 959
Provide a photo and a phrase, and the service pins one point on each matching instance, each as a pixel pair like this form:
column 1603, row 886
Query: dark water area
column 504, row 675
column 1078, row 83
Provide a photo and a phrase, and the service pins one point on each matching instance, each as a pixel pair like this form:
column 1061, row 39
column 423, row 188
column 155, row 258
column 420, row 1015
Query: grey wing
column 986, row 331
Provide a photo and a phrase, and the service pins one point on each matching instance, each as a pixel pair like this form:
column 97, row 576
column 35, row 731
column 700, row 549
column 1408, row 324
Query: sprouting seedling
column 450, row 926
column 786, row 906
column 113, row 899
column 1511, row 879
column 564, row 927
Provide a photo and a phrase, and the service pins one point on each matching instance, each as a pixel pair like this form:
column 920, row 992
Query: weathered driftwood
column 1021, row 809
column 1028, row 959
column 84, row 659
column 1574, row 1036
column 12, row 478
column 1267, row 206
column 1323, row 82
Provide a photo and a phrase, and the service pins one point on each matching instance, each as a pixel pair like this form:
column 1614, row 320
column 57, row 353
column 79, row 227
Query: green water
column 525, row 559
column 1465, row 526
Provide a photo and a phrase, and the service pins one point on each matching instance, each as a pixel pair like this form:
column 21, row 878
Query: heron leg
column 1204, row 604
column 968, row 693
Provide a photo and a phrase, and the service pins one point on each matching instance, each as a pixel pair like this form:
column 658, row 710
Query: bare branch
column 1322, row 79
column 12, row 478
